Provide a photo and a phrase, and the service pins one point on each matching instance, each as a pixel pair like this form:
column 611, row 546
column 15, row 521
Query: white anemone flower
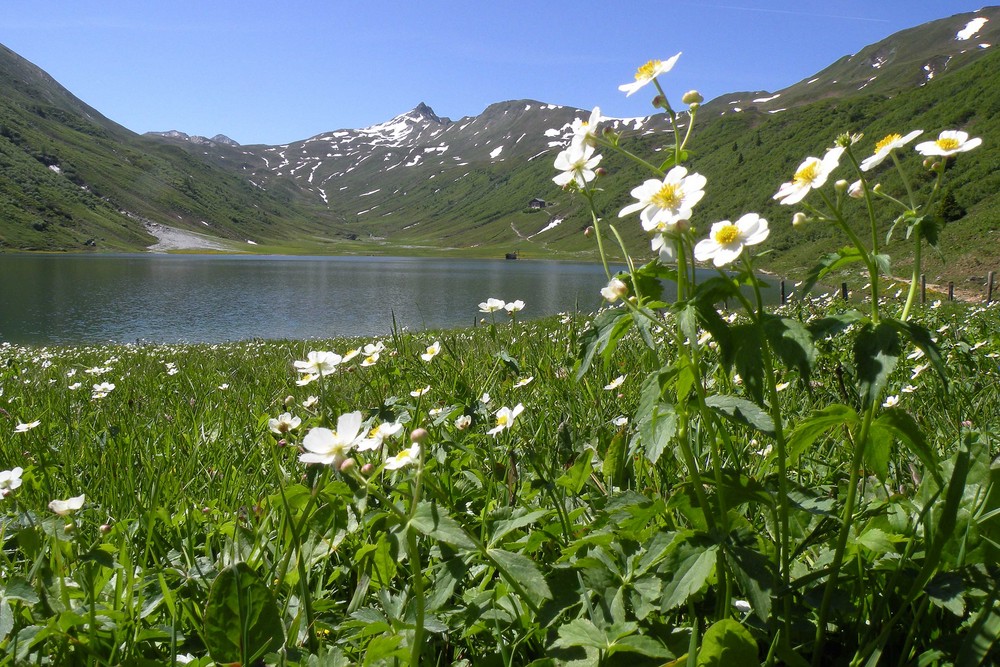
column 514, row 306
column 432, row 351
column 614, row 290
column 585, row 131
column 404, row 458
column 948, row 143
column 885, row 146
column 417, row 393
column 103, row 389
column 319, row 363
column 891, row 401
column 68, row 506
column 726, row 240
column 505, row 418
column 378, row 435
column 614, row 384
column 10, row 480
column 577, row 164
column 491, row 305
column 812, row 173
column 330, row 447
column 284, row 423
column 24, row 428
column 463, row 422
column 523, row 382
column 647, row 73
column 665, row 203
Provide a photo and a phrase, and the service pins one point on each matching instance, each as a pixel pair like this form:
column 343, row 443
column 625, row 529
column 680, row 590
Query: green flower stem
column 914, row 278
column 906, row 181
column 868, row 255
column 846, row 523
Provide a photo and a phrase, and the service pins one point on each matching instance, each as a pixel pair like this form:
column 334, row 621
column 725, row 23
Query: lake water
column 52, row 299
column 47, row 299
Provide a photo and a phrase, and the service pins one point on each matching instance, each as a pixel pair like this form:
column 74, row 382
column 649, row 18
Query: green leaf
column 602, row 337
column 613, row 467
column 877, row 540
column 690, row 577
column 835, row 324
column 876, row 351
column 642, row 645
column 815, row 425
column 922, row 338
column 656, row 430
column 947, row 590
column 876, row 454
column 581, row 632
column 18, row 588
column 519, row 570
column 831, row 262
column 755, row 573
column 435, row 522
column 792, row 342
column 742, row 411
column 727, row 643
column 6, row 619
column 904, row 428
column 575, row 478
column 744, row 354
column 242, row 621
column 982, row 635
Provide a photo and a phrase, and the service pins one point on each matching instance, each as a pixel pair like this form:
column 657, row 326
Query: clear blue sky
column 277, row 71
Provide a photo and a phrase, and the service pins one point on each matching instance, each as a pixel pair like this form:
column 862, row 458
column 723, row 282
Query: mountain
column 421, row 183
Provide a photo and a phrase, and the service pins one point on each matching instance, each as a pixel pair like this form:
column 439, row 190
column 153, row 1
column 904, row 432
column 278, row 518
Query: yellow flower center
column 669, row 196
column 648, row 70
column 886, row 141
column 727, row 234
column 807, row 174
column 502, row 420
column 947, row 144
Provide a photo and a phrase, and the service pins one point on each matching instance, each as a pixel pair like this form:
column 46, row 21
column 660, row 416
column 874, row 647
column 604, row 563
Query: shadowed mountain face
column 72, row 179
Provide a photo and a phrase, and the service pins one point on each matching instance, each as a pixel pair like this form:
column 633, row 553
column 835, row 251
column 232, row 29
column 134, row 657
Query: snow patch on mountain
column 971, row 28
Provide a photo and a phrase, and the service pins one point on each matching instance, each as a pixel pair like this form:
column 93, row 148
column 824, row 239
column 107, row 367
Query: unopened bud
column 366, row 469
column 589, row 231
column 799, row 219
column 282, row 443
column 928, row 163
column 418, row 435
column 347, row 465
column 692, row 97
column 840, row 187
column 105, row 528
column 877, row 189
column 69, row 527
column 289, row 400
column 601, row 171
column 857, row 191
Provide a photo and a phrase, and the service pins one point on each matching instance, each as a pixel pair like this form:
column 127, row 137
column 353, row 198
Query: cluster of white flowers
column 493, row 305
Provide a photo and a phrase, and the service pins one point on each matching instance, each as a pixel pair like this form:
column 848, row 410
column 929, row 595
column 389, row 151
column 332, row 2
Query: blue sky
column 272, row 72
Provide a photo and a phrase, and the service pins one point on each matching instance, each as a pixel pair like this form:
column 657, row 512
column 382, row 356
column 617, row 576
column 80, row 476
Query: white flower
column 614, row 384
column 370, row 360
column 505, row 418
column 284, row 423
column 463, row 422
column 782, row 386
column 908, row 389
column 524, row 381
column 614, row 290
column 620, row 421
column 726, row 240
column 886, row 146
column 306, row 379
column 377, row 436
column 948, row 143
column 432, row 351
column 103, row 389
column 331, row 447
column 404, row 458
column 891, row 401
column 585, row 131
column 416, row 393
column 577, row 164
column 917, row 370
column 24, row 428
column 514, row 306
column 68, row 506
column 350, row 354
column 491, row 305
column 812, row 173
column 10, row 480
column 647, row 73
column 742, row 606
column 224, row 386
column 311, row 401
column 484, row 399
column 75, row 386
column 319, row 363
column 666, row 203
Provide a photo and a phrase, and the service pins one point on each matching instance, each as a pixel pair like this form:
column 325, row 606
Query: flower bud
column 692, row 97
column 366, row 469
column 105, row 528
column 289, row 400
column 877, row 189
column 347, row 465
column 840, row 187
column 856, row 190
column 601, row 171
column 589, row 231
column 282, row 443
column 418, row 435
column 799, row 219
column 69, row 527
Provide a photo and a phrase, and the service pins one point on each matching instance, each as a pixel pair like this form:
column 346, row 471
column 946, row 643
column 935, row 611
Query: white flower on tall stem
column 514, row 307
column 614, row 290
column 406, row 457
column 665, row 203
column 378, row 435
column 811, row 174
column 24, row 428
column 647, row 73
column 505, row 418
column 948, row 143
column 886, row 146
column 330, row 447
column 585, row 131
column 577, row 164
column 319, row 363
column 284, row 423
column 491, row 305
column 432, row 351
column 9, row 481
column 726, row 240
column 68, row 506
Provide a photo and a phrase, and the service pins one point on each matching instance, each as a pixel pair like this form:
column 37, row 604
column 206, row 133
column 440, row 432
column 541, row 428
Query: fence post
column 923, row 288
column 989, row 288
column 783, row 294
column 843, row 291
column 951, row 291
